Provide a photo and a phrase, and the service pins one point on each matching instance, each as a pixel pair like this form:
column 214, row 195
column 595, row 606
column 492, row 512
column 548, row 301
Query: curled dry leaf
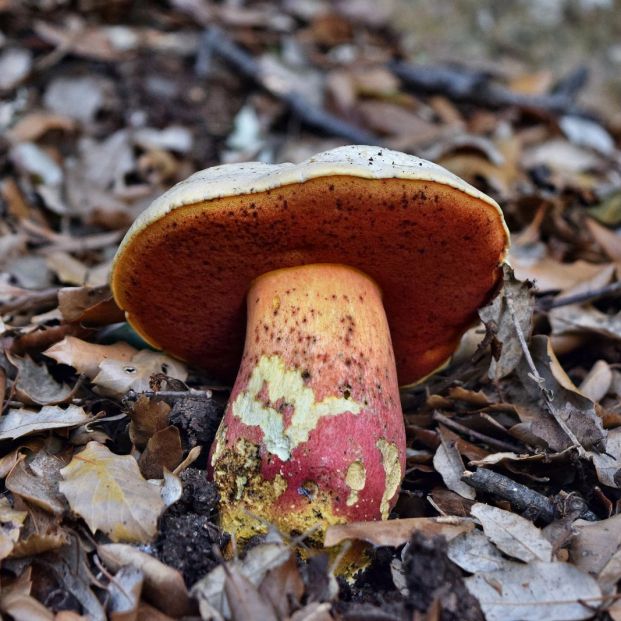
column 448, row 462
column 124, row 592
column 11, row 522
column 15, row 600
column 21, row 422
column 244, row 598
column 514, row 307
column 397, row 532
column 597, row 382
column 255, row 565
column 608, row 463
column 474, row 552
column 89, row 305
column 86, row 357
column 163, row 450
column 539, row 590
column 163, row 586
column 35, row 385
column 115, row 378
column 108, row 491
column 513, row 534
column 36, row 480
column 574, row 413
column 596, row 549
column 148, row 416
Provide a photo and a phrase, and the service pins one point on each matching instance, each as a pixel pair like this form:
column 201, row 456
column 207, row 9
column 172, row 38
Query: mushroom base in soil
column 313, row 434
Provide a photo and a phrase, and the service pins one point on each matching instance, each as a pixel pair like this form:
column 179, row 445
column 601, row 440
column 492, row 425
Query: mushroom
column 322, row 267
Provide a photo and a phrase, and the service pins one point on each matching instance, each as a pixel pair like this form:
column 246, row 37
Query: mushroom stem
column 313, row 434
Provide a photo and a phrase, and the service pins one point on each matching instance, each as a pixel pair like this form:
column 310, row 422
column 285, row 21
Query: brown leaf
column 35, row 385
column 89, row 305
column 283, row 587
column 574, row 413
column 148, row 416
column 163, row 586
column 396, row 532
column 34, row 125
column 86, row 357
column 109, row 492
column 36, row 480
column 115, row 378
column 244, row 598
column 15, row 600
column 11, row 522
column 597, row 382
column 607, row 239
column 163, row 450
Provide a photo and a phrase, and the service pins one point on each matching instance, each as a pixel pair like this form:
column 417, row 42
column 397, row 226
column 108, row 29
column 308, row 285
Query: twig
column 546, row 304
column 215, row 42
column 31, row 301
column 534, row 373
column 521, row 497
column 132, row 395
column 471, row 86
column 475, row 435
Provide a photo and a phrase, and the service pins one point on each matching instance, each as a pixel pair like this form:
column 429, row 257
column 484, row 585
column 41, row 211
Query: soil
column 188, row 535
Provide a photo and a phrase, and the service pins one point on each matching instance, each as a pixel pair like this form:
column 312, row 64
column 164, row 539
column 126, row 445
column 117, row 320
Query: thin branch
column 215, row 42
column 546, row 304
column 475, row 435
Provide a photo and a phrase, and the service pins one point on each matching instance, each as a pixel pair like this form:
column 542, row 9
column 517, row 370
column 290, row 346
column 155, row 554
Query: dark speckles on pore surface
column 430, row 257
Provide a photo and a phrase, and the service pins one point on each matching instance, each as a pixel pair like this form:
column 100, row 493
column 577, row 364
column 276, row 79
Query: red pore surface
column 433, row 250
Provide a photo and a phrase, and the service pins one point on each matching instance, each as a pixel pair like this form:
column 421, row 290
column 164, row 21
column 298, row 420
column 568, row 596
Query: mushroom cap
column 432, row 242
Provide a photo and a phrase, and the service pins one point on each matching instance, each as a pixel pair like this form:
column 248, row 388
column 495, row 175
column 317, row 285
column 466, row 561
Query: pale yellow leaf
column 108, row 491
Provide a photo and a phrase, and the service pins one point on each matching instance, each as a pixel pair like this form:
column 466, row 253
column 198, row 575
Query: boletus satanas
column 323, row 269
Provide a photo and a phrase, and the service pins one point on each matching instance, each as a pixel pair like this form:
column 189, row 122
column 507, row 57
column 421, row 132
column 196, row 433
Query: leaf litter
column 510, row 502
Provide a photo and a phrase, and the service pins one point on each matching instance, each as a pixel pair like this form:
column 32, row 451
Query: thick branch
column 521, row 497
column 471, row 86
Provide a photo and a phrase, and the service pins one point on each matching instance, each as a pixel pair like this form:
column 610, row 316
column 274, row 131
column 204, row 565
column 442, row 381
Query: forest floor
column 510, row 507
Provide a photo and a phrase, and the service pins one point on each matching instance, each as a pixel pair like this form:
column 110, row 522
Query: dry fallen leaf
column 513, row 534
column 86, row 357
column 539, row 590
column 596, row 549
column 163, row 450
column 255, row 565
column 108, row 491
column 448, row 462
column 396, row 532
column 11, row 522
column 21, row 422
column 35, row 384
column 474, row 553
column 115, row 377
column 163, row 585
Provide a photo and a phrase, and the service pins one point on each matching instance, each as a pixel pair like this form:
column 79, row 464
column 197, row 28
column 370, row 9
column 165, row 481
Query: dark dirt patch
column 197, row 419
column 433, row 580
column 188, row 533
